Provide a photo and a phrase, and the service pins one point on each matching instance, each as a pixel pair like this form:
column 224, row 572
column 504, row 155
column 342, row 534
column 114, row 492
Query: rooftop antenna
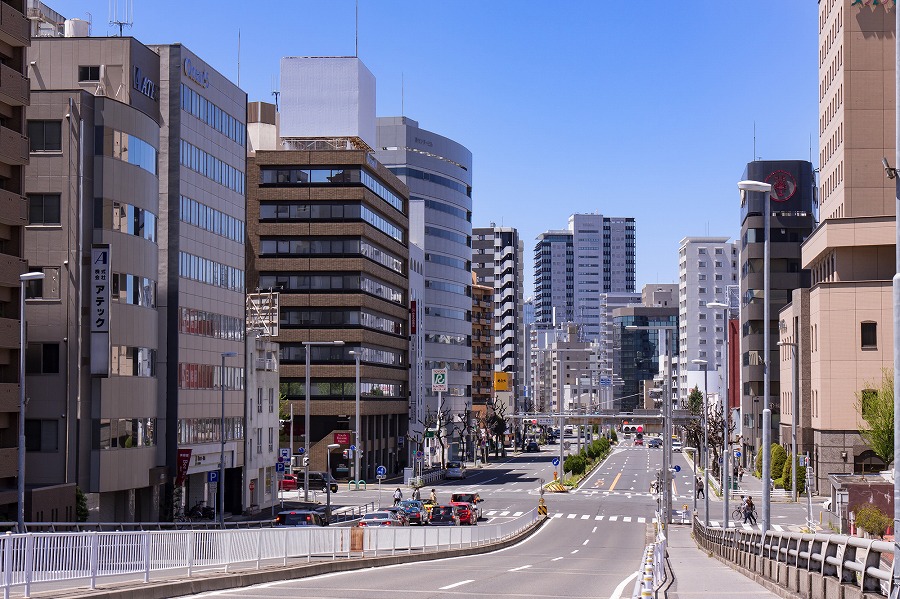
column 239, row 59
column 754, row 140
column 402, row 95
column 121, row 16
column 357, row 29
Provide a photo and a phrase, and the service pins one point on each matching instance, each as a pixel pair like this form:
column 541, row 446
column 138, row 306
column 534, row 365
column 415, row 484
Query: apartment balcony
column 13, row 209
column 9, row 398
column 13, row 87
column 269, row 364
column 13, row 145
column 9, row 333
column 10, row 269
column 13, row 26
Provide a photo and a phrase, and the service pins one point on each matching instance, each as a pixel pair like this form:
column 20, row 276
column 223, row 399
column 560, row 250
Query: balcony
column 9, row 397
column 13, row 26
column 9, row 333
column 13, row 146
column 13, row 87
column 13, row 209
column 10, row 269
column 268, row 364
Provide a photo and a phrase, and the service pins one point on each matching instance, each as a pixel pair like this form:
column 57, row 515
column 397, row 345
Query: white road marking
column 628, row 518
column 492, row 512
column 556, row 559
column 617, row 593
column 585, row 542
column 595, row 530
column 613, row 518
column 519, row 568
column 777, row 527
column 557, row 515
column 574, row 552
column 598, row 518
column 455, row 584
column 585, row 517
column 642, row 520
column 507, row 513
column 517, row 514
column 571, row 516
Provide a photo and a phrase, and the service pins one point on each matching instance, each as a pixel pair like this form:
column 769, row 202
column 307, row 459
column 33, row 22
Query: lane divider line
column 617, row 593
column 519, row 568
column 455, row 584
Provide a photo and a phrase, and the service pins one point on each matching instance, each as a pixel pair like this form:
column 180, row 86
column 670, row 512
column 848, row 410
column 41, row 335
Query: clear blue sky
column 641, row 109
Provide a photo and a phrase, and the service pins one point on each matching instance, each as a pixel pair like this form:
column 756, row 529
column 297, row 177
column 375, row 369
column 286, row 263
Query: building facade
column 497, row 260
column 706, row 267
column 483, row 363
column 641, row 352
column 438, row 173
column 792, row 219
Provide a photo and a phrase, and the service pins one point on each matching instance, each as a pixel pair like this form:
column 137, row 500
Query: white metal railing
column 31, row 560
column 652, row 574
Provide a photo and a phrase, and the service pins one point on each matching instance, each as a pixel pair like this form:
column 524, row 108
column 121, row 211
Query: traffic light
column 640, row 429
column 305, row 461
column 346, row 454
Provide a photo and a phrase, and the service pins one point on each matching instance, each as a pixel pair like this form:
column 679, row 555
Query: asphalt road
column 590, row 547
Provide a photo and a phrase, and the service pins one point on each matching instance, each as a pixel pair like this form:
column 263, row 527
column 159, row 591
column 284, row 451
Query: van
column 316, row 481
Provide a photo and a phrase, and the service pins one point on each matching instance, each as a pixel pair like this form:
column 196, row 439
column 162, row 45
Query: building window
column 89, row 73
column 271, row 439
column 43, row 209
column 271, row 401
column 259, row 440
column 45, row 136
column 41, row 435
column 868, row 334
column 259, row 397
column 42, row 358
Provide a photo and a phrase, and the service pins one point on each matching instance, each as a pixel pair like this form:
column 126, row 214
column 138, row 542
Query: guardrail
column 813, row 565
column 652, row 574
column 40, row 561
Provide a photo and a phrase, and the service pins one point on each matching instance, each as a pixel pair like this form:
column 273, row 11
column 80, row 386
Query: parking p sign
column 439, row 380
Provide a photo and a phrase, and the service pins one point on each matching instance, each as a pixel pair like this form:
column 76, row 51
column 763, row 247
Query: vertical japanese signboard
column 100, row 279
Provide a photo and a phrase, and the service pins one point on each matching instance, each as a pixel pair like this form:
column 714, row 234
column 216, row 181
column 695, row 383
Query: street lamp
column 327, row 478
column 220, row 484
column 24, row 279
column 795, row 392
column 705, row 460
column 766, row 190
column 667, row 417
column 356, row 356
column 726, row 451
column 307, row 345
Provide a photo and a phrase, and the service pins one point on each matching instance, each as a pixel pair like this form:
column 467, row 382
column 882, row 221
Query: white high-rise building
column 706, row 267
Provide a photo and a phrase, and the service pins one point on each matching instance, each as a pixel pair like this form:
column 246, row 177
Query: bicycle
column 737, row 514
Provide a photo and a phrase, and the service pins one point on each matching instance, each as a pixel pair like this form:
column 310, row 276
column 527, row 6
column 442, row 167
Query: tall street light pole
column 327, row 477
column 221, row 483
column 307, row 346
column 795, row 392
column 726, row 451
column 895, row 570
column 766, row 190
column 24, row 279
column 356, row 357
column 705, row 459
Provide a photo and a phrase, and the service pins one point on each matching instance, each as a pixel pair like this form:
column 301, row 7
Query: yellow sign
column 501, row 381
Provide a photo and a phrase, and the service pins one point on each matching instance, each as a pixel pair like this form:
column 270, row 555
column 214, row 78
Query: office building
column 497, row 260
column 846, row 340
column 438, row 173
column 261, row 447
column 14, row 98
column 573, row 267
column 483, row 364
column 792, row 220
column 641, row 353
column 706, row 266
column 146, row 178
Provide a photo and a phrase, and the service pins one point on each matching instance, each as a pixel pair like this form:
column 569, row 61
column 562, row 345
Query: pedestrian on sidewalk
column 741, row 474
column 750, row 511
column 699, row 488
column 398, row 495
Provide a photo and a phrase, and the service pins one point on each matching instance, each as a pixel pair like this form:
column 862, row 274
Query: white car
column 456, row 470
column 676, row 446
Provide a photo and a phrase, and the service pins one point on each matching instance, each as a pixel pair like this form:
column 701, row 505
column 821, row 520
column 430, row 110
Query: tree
column 876, row 407
column 786, row 480
column 693, row 430
column 779, row 456
column 81, row 507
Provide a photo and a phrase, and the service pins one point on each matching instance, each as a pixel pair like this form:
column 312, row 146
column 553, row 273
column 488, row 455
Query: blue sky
column 641, row 109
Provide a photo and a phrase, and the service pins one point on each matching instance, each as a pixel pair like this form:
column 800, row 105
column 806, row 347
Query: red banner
column 342, row 438
column 184, row 462
column 413, row 318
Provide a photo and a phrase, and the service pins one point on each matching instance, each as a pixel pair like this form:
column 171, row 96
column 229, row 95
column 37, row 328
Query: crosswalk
column 757, row 526
column 615, row 518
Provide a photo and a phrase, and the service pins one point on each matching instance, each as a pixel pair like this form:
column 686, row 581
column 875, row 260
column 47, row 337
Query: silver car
column 375, row 519
column 456, row 470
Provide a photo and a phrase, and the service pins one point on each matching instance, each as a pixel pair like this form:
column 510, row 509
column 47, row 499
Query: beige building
column 847, row 340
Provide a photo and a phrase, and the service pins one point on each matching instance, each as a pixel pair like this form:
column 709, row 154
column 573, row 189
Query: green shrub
column 81, row 507
column 786, row 476
column 757, row 465
column 872, row 520
column 613, row 436
column 779, row 455
column 604, row 444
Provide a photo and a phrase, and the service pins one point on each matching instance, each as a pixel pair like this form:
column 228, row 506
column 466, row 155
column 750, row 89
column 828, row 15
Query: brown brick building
column 328, row 229
column 482, row 343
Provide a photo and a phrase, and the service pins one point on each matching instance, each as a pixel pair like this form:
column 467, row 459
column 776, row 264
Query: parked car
column 316, row 481
column 300, row 518
column 456, row 470
column 288, row 483
column 676, row 446
column 654, row 443
column 532, row 447
column 471, row 498
column 400, row 513
column 381, row 518
column 415, row 511
column 444, row 515
column 467, row 514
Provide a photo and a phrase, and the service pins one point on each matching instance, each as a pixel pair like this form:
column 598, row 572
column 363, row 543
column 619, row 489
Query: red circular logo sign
column 783, row 186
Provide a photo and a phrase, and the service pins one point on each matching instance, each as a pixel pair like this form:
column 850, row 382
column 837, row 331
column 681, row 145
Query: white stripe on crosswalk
column 714, row 522
column 490, row 513
column 628, row 518
column 507, row 513
column 586, row 517
column 560, row 515
column 572, row 516
column 644, row 520
column 517, row 514
column 777, row 527
column 601, row 517
column 614, row 518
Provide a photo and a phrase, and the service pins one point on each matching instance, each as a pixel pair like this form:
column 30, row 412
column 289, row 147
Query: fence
column 810, row 564
column 60, row 560
column 652, row 573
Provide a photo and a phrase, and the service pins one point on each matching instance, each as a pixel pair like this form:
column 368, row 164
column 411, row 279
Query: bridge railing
column 812, row 565
column 33, row 561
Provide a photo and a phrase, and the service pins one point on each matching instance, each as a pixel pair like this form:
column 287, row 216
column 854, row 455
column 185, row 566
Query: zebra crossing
column 757, row 526
column 572, row 516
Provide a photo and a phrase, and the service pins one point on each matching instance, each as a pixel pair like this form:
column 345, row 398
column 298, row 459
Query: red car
column 289, row 483
column 466, row 513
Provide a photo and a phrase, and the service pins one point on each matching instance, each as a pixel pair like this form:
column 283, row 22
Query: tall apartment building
column 483, row 364
column 14, row 98
column 572, row 268
column 497, row 260
column 706, row 267
column 140, row 168
column 791, row 221
column 843, row 326
column 438, row 173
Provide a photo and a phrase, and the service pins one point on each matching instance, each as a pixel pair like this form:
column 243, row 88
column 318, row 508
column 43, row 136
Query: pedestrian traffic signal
column 305, row 461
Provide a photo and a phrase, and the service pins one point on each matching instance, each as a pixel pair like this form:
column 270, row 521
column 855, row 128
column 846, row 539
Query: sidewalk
column 697, row 574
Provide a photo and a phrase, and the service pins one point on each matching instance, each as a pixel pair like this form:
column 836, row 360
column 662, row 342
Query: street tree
column 875, row 405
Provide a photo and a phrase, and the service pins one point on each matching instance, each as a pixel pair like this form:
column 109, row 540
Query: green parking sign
column 439, row 380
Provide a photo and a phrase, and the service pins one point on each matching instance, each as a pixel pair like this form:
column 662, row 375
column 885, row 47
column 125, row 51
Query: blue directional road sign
column 212, row 476
column 279, row 467
column 353, row 448
column 555, row 461
column 285, row 453
column 737, row 454
column 677, row 468
column 380, row 471
column 301, row 450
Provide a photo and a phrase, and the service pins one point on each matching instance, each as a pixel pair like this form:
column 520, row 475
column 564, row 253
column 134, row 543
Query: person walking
column 417, row 495
column 700, row 489
column 741, row 474
column 398, row 495
column 433, row 496
column 750, row 512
